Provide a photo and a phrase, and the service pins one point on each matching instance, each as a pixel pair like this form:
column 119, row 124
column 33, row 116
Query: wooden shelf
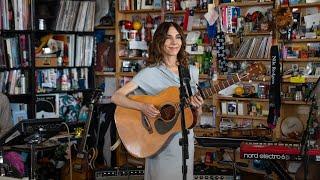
column 249, row 59
column 199, row 129
column 247, row 4
column 252, row 34
column 301, row 40
column 183, row 11
column 204, row 76
column 241, row 99
column 311, row 59
column 307, row 80
column 302, row 5
column 242, row 117
column 295, row 102
column 61, row 67
column 68, row 91
column 28, row 31
column 105, row 27
column 97, row 73
column 259, row 79
column 199, row 28
column 195, row 29
column 159, row 10
column 64, row 32
column 140, row 11
column 129, row 74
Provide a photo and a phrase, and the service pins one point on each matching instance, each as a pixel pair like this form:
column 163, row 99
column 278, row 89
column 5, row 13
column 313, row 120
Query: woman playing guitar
column 166, row 52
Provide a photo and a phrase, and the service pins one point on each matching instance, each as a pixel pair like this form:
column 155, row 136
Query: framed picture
column 232, row 108
column 295, row 67
column 291, row 89
column 317, row 72
column 47, row 106
column 147, row 4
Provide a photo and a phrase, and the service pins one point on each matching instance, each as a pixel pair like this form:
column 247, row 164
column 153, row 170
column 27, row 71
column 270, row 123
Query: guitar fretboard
column 207, row 92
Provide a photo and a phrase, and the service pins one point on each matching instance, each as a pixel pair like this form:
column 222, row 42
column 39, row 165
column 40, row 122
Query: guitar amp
column 215, row 177
column 119, row 174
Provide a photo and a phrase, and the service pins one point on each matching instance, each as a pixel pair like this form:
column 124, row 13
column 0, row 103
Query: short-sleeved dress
column 166, row 165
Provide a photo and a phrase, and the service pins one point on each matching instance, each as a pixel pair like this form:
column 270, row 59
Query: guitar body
column 143, row 140
column 80, row 169
column 93, row 154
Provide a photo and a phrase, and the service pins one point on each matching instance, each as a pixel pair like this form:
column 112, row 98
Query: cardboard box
column 46, row 62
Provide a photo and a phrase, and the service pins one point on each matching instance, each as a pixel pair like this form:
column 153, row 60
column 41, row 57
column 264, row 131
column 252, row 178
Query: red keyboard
column 277, row 151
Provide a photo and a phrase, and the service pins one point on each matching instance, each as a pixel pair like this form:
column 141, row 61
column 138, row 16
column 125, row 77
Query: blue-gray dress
column 166, row 165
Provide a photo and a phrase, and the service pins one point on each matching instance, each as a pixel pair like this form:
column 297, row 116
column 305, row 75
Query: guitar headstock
column 97, row 93
column 253, row 71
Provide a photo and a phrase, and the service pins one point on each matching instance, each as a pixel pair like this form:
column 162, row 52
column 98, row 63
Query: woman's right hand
column 149, row 110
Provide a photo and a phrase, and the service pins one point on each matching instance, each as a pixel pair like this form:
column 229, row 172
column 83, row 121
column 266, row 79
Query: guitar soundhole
column 167, row 112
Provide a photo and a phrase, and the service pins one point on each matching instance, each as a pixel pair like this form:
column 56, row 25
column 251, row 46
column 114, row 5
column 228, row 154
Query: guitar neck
column 207, row 92
column 86, row 129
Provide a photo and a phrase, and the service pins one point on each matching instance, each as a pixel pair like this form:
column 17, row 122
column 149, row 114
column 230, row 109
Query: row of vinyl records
column 76, row 16
column 15, row 14
column 72, row 15
column 255, row 47
column 75, row 51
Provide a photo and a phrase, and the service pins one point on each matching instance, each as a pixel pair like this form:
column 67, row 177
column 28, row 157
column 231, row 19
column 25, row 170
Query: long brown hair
column 159, row 38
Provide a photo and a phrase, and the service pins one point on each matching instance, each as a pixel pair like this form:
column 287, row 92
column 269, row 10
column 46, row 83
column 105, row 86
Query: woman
column 165, row 54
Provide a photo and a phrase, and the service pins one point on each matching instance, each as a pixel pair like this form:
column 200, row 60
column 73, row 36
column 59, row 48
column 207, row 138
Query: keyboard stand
column 230, row 143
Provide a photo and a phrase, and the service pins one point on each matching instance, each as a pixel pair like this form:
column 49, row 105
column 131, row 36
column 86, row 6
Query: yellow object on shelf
column 239, row 90
column 298, row 79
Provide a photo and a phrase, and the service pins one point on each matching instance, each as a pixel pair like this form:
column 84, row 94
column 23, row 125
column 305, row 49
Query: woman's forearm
column 124, row 101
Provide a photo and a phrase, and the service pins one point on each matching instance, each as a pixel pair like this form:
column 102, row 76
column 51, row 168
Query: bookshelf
column 300, row 61
column 251, row 42
column 55, row 50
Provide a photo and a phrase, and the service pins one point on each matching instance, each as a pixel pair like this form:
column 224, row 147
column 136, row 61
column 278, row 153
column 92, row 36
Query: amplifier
column 215, row 177
column 119, row 174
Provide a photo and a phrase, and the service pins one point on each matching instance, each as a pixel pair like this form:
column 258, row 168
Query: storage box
column 46, row 62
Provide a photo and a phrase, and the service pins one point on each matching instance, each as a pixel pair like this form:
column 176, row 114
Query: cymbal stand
column 33, row 140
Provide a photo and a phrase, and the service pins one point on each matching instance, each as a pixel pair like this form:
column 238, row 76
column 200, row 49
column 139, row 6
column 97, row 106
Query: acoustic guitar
column 82, row 167
column 143, row 137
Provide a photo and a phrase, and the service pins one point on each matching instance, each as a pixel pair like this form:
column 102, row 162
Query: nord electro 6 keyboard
column 274, row 151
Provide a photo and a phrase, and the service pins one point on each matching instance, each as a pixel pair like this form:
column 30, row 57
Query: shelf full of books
column 46, row 52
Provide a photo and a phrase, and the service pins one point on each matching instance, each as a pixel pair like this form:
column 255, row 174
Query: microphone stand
column 306, row 138
column 307, row 133
column 183, row 142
